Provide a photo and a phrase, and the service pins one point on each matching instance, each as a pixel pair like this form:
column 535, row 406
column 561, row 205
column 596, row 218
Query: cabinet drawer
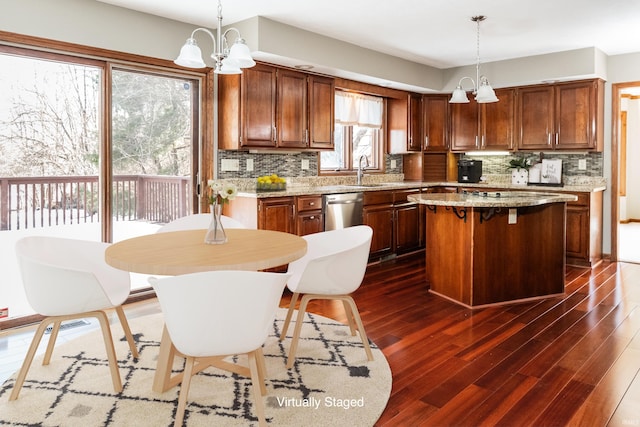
column 583, row 199
column 378, row 197
column 308, row 203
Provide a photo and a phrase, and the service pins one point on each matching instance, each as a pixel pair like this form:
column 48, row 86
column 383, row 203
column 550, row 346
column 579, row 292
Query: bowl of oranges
column 271, row 183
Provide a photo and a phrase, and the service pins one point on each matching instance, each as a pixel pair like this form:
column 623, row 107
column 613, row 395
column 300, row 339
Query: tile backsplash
column 285, row 165
column 290, row 165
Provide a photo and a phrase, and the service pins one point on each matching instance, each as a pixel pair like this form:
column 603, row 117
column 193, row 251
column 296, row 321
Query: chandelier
column 228, row 60
column 483, row 91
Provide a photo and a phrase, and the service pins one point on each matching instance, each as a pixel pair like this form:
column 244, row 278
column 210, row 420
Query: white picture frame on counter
column 551, row 171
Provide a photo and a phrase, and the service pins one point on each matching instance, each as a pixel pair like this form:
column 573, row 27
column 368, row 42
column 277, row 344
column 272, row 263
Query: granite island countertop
column 500, row 199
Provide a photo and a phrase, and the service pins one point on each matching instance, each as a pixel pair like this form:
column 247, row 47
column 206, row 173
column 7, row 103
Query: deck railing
column 33, row 202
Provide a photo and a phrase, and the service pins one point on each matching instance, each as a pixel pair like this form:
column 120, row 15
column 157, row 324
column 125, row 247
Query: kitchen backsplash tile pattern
column 594, row 165
column 285, row 165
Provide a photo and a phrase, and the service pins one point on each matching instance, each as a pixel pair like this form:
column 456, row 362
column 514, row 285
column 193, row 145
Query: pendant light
column 483, row 92
column 228, row 60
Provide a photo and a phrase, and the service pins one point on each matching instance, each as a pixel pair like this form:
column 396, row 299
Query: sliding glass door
column 90, row 150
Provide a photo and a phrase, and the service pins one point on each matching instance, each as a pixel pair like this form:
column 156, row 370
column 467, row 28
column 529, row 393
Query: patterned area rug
column 331, row 383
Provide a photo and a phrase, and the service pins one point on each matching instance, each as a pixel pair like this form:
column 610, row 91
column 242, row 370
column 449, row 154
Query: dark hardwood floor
column 554, row 362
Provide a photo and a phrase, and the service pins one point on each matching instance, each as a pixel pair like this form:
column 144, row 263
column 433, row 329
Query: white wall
column 633, row 160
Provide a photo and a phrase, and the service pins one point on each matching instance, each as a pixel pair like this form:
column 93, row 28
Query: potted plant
column 519, row 170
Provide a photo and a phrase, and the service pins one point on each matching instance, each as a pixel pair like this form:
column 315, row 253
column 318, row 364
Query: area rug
column 332, row 383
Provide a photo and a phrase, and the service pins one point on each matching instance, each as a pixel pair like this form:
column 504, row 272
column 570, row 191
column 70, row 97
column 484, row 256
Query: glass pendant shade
column 241, row 55
column 190, row 55
column 459, row 96
column 228, row 67
column 486, row 93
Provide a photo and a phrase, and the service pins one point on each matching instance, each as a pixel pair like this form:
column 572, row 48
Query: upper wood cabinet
column 484, row 126
column 271, row 107
column 321, row 111
column 435, row 113
column 563, row 116
column 404, row 123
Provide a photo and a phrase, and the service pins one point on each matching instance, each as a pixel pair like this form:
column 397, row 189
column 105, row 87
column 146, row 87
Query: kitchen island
column 486, row 248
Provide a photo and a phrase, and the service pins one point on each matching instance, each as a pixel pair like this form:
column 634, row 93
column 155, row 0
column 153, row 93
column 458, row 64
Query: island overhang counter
column 485, row 248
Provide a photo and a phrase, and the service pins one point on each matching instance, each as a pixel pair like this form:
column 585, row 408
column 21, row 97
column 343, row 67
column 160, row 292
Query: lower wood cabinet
column 309, row 218
column 584, row 230
column 396, row 222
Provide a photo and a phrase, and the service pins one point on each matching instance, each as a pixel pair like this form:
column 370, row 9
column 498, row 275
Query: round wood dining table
column 183, row 252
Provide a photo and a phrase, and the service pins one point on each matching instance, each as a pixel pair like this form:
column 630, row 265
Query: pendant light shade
column 241, row 55
column 459, row 96
column 190, row 55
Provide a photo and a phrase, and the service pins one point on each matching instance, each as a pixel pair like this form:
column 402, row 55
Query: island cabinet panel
column 483, row 256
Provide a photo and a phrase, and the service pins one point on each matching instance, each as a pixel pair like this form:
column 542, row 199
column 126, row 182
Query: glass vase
column 215, row 234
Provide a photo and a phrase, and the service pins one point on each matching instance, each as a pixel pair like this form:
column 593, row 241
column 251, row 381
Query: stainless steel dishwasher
column 342, row 210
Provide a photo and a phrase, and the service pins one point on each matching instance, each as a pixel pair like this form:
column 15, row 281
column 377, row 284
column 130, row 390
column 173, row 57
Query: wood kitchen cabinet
column 321, row 112
column 395, row 222
column 406, row 222
column 484, row 126
column 404, row 124
column 435, row 113
column 377, row 213
column 277, row 214
column 584, row 230
column 272, row 107
column 309, row 218
column 563, row 116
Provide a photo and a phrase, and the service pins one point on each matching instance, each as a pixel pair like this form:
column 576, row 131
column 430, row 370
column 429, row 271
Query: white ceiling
column 438, row 33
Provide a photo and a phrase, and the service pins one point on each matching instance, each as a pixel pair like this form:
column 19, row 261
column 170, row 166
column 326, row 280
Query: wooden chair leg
column 349, row 314
column 26, row 364
column 255, row 385
column 363, row 335
column 184, row 391
column 296, row 332
column 53, row 336
column 127, row 331
column 287, row 320
column 262, row 370
column 111, row 352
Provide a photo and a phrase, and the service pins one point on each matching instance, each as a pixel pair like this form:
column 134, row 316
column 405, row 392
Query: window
column 358, row 132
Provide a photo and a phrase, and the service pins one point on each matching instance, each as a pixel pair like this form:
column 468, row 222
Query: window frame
column 347, row 144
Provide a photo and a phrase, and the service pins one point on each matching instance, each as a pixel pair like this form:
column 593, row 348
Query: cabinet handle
column 273, row 133
column 312, row 217
column 312, row 203
column 426, row 140
column 476, row 141
column 548, row 139
column 306, row 135
column 557, row 137
column 484, row 144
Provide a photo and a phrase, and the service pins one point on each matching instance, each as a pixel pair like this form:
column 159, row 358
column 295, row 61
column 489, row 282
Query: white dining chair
column 68, row 279
column 198, row 221
column 220, row 313
column 332, row 268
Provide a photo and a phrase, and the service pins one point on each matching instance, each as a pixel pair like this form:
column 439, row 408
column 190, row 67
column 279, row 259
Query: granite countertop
column 319, row 187
column 505, row 199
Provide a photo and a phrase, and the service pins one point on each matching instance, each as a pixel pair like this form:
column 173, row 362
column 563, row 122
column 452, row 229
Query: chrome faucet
column 360, row 168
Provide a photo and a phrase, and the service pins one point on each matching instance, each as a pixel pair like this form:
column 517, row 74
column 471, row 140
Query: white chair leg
column 296, row 332
column 184, row 391
column 26, row 364
column 287, row 320
column 127, row 331
column 255, row 385
column 108, row 344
